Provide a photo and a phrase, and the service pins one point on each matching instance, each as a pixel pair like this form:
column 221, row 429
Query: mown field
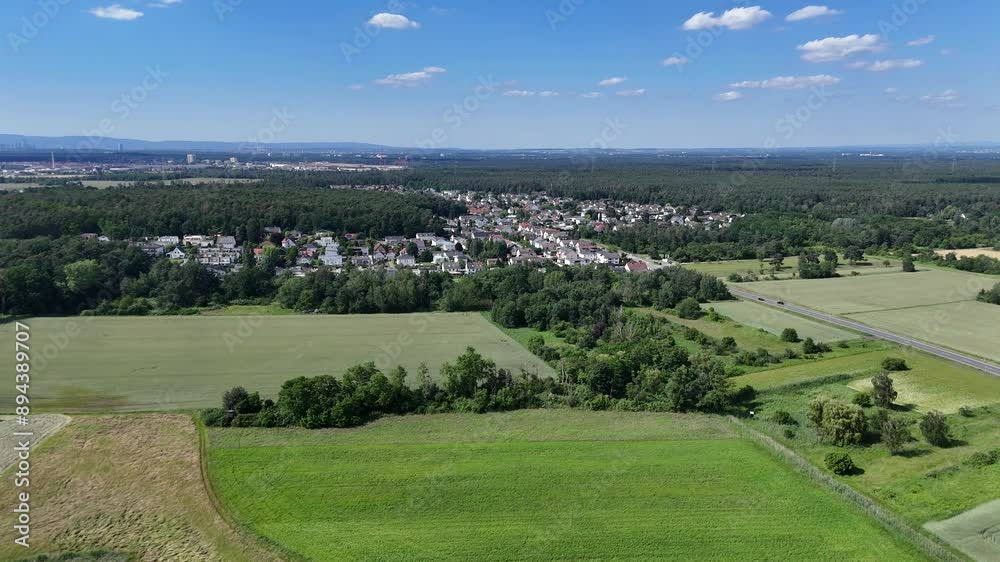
column 164, row 363
column 125, row 484
column 724, row 269
column 540, row 485
column 934, row 305
column 775, row 320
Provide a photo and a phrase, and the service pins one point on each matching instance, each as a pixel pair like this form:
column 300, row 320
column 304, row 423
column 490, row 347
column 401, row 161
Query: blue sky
column 516, row 73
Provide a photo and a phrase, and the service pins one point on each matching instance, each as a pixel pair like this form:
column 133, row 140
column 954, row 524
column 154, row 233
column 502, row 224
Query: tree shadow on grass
column 913, row 453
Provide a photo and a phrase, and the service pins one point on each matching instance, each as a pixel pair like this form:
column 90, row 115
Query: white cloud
column 613, row 81
column 676, row 61
column 948, row 96
column 810, row 12
column 890, row 90
column 393, row 21
column 736, row 18
column 788, row 82
column 116, row 12
column 885, row 65
column 531, row 94
column 592, row 95
column 355, row 87
column 947, row 52
column 165, row 3
column 631, row 93
column 921, row 41
column 727, row 96
column 410, row 78
column 838, row 48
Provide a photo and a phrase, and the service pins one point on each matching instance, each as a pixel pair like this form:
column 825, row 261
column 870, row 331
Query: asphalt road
column 984, row 366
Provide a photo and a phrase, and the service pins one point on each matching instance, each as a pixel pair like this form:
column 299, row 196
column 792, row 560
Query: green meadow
column 180, row 362
column 538, row 485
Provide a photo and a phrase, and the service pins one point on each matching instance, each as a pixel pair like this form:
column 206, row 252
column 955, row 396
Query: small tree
column 862, row 399
column 689, row 309
column 232, row 397
column 935, row 428
column 895, row 434
column 908, row 264
column 894, row 364
column 781, row 417
column 843, row 424
column 839, row 463
column 882, row 391
column 790, row 335
column 853, row 254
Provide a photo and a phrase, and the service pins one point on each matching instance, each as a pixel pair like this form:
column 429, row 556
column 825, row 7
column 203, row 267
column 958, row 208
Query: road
column 979, row 364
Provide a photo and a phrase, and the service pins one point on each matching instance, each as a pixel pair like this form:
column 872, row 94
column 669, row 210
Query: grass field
column 774, row 321
column 538, row 485
column 975, row 532
column 161, row 363
column 723, row 269
column 129, row 484
column 932, row 304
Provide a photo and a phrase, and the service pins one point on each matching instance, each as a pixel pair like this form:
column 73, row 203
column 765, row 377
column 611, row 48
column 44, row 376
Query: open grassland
column 104, row 184
column 127, row 484
column 539, row 485
column 925, row 483
column 774, row 321
column 162, row 363
column 971, row 252
column 969, row 326
column 975, row 532
column 934, row 305
column 931, row 383
column 850, row 295
column 790, row 266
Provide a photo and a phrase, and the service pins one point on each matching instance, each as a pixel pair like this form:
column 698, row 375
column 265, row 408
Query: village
column 499, row 229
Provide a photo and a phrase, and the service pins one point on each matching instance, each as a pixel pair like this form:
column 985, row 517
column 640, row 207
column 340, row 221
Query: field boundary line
column 280, row 552
column 888, row 520
column 916, row 306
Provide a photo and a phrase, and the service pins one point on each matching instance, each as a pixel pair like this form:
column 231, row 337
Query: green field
column 775, row 320
column 790, row 266
column 538, row 485
column 934, row 305
column 163, row 363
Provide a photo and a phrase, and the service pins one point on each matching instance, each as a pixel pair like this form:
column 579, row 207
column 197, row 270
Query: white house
column 176, row 254
column 169, row 240
column 406, row 260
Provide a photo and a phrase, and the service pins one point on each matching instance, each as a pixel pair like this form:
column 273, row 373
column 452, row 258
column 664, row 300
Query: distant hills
column 83, row 143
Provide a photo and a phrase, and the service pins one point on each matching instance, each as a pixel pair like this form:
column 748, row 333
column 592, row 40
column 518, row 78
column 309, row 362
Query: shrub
column 935, row 428
column 862, row 399
column 895, row 435
column 215, row 417
column 966, row 412
column 790, row 335
column 894, row 364
column 981, row 459
column 839, row 463
column 782, row 417
column 246, row 420
column 837, row 422
column 876, row 421
column 689, row 309
column 234, row 396
column 745, row 394
column 598, row 403
column 882, row 391
column 810, row 347
column 789, row 433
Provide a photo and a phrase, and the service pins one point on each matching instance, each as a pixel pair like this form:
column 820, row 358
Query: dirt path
column 41, row 425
